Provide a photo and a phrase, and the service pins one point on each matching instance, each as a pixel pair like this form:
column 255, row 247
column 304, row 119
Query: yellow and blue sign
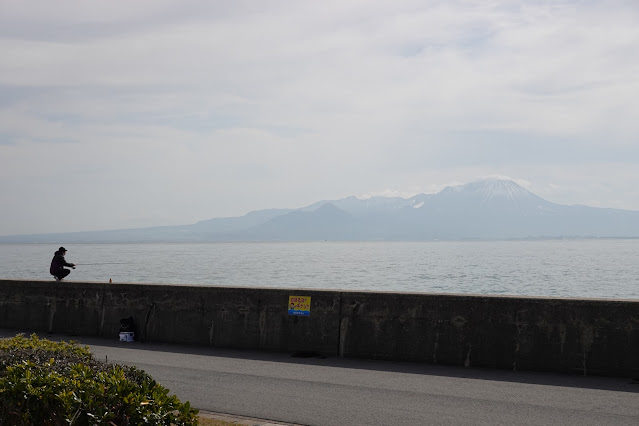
column 299, row 305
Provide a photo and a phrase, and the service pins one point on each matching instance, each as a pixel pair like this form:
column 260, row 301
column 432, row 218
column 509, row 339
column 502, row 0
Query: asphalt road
column 334, row 391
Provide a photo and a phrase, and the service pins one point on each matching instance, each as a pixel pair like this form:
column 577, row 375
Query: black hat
column 62, row 249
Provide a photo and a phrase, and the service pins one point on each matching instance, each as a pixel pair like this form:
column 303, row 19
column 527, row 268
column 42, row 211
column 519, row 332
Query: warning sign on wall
column 299, row 305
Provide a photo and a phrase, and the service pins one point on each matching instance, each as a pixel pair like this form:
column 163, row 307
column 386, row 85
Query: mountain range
column 486, row 209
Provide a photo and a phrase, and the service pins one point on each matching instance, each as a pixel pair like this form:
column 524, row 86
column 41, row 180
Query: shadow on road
column 619, row 384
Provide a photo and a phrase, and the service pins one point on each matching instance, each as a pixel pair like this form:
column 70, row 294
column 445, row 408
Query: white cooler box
column 126, row 336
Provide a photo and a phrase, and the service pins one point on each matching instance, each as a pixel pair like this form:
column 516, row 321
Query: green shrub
column 59, row 383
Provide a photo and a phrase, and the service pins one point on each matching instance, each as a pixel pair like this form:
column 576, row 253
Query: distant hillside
column 488, row 209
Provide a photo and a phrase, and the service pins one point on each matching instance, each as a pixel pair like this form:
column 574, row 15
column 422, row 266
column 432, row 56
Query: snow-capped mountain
column 486, row 209
column 497, row 188
column 476, row 194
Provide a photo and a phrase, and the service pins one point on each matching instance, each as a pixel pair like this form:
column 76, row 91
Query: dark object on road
column 127, row 325
column 307, row 354
column 127, row 329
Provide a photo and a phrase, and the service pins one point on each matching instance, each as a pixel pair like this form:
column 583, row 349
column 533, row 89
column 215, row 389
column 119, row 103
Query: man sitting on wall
column 58, row 263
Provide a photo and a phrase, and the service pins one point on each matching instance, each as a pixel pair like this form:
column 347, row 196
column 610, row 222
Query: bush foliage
column 60, row 383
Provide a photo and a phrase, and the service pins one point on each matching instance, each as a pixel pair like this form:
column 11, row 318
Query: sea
column 588, row 268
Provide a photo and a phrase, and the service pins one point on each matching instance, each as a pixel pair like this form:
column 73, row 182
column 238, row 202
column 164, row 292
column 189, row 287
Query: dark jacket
column 58, row 262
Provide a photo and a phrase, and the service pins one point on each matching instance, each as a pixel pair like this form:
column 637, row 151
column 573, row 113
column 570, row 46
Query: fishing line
column 104, row 263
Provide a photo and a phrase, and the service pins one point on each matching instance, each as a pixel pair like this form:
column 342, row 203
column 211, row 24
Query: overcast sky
column 128, row 114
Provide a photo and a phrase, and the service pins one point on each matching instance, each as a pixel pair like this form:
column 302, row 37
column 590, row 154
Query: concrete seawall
column 581, row 336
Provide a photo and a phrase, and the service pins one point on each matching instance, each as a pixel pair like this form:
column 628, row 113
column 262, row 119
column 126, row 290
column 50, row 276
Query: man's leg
column 63, row 273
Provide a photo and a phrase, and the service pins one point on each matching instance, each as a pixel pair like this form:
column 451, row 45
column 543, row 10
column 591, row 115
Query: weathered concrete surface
column 243, row 318
column 519, row 333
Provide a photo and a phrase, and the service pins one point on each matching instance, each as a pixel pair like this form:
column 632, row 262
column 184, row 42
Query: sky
column 131, row 114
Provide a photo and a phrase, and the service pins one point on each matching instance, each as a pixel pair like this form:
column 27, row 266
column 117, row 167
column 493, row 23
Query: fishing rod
column 104, row 263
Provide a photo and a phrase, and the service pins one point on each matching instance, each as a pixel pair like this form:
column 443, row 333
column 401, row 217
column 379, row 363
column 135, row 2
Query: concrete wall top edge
column 312, row 290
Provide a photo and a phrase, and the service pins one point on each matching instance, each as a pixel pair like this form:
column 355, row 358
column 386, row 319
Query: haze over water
column 562, row 268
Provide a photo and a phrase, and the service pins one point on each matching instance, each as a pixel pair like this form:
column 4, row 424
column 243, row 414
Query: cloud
column 173, row 112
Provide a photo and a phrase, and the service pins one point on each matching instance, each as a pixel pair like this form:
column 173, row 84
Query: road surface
column 334, row 391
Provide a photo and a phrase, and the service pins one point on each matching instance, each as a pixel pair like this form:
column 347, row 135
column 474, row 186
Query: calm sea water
column 570, row 268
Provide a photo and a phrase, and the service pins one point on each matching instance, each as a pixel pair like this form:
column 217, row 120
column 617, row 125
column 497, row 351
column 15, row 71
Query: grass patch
column 203, row 421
